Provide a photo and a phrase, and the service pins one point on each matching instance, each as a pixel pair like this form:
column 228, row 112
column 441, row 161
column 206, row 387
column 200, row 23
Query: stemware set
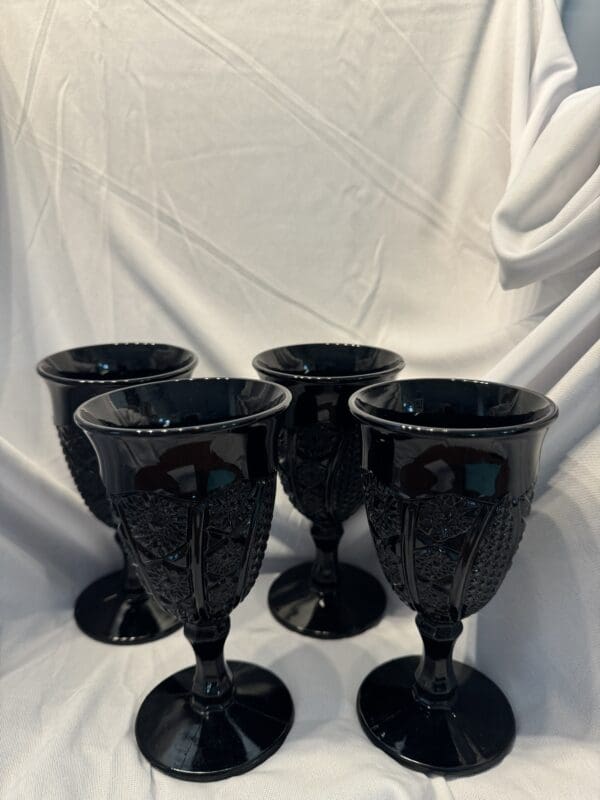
column 185, row 471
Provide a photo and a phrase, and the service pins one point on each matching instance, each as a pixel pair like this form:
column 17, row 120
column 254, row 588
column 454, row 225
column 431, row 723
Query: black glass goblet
column 190, row 470
column 319, row 463
column 449, row 472
column 114, row 609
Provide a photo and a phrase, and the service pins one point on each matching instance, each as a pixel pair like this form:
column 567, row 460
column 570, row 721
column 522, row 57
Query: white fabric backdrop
column 419, row 175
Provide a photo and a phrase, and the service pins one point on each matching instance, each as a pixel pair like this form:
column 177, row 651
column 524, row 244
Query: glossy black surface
column 236, row 738
column 319, row 465
column 119, row 611
column 190, row 470
column 449, row 473
column 478, row 730
column 114, row 609
column 357, row 602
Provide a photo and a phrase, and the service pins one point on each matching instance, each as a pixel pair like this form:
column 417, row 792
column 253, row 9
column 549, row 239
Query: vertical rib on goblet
column 190, row 470
column 449, row 470
column 319, row 455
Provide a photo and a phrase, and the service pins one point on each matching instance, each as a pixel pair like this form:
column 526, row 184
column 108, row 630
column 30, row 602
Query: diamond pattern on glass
column 442, row 546
column 234, row 528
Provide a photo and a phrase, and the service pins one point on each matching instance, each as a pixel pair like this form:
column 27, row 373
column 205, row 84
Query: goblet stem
column 213, row 683
column 435, row 681
column 325, row 570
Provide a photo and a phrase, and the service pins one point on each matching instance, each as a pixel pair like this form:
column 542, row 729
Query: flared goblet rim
column 373, row 420
column 396, row 364
column 49, row 373
column 86, row 419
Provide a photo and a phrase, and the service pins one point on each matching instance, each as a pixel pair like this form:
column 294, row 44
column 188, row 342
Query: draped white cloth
column 419, row 175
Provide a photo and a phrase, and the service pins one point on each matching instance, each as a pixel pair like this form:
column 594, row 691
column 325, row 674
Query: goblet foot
column 471, row 734
column 224, row 740
column 107, row 612
column 354, row 604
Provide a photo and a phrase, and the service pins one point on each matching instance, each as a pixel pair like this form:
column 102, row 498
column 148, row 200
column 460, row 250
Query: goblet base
column 473, row 733
column 356, row 603
column 106, row 612
column 224, row 740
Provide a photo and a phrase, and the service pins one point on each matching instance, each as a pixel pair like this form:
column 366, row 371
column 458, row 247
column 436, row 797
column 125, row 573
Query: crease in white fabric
column 567, row 233
column 542, row 81
column 376, row 272
column 576, row 394
column 38, row 220
column 338, row 141
column 186, row 311
column 525, row 365
column 216, row 252
column 34, row 64
column 435, row 83
column 533, row 244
